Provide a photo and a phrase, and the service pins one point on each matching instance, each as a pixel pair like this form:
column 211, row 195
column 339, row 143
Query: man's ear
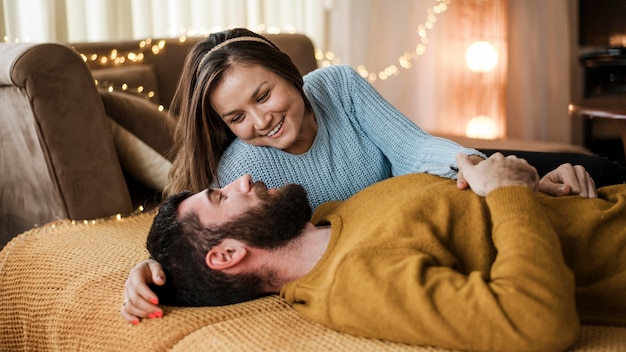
column 227, row 254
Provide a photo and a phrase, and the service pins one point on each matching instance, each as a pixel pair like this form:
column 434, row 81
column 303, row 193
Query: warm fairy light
column 115, row 57
column 405, row 60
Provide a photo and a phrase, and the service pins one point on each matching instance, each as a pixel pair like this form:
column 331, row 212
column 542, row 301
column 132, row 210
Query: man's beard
column 279, row 218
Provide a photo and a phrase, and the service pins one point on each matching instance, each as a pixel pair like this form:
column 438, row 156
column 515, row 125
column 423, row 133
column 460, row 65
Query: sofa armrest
column 57, row 156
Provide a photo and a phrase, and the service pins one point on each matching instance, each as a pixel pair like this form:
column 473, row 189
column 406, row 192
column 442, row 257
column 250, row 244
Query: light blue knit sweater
column 361, row 139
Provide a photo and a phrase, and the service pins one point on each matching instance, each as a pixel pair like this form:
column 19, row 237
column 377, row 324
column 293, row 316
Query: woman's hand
column 568, row 180
column 139, row 301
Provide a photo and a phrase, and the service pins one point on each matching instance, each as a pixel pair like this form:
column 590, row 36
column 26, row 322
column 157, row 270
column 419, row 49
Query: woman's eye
column 237, row 118
column 263, row 97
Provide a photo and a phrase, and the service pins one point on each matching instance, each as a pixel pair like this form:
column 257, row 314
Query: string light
column 145, row 47
column 117, row 217
column 404, row 60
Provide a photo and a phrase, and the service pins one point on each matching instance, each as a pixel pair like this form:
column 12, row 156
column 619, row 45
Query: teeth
column 273, row 132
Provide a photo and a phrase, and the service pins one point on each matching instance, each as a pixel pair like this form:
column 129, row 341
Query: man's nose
column 241, row 185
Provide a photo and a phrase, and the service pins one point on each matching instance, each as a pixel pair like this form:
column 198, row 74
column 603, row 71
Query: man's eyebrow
column 252, row 96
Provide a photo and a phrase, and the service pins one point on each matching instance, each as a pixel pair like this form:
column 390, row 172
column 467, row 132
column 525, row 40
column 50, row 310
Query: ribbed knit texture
column 61, row 288
column 361, row 139
column 413, row 259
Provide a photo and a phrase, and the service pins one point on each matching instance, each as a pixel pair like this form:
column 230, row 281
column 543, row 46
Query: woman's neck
column 308, row 131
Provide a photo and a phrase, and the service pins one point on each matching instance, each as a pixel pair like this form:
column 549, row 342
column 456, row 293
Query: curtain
column 100, row 20
column 411, row 50
column 435, row 89
column 541, row 61
column 532, row 82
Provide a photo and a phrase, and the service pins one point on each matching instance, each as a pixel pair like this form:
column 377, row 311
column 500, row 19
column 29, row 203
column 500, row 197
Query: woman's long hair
column 201, row 135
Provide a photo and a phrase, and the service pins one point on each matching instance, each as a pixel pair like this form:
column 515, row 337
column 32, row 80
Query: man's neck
column 300, row 256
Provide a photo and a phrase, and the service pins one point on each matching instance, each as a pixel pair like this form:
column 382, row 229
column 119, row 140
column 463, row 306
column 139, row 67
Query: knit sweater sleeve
column 525, row 303
column 408, row 148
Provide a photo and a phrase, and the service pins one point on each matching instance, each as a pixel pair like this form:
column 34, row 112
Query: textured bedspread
column 61, row 289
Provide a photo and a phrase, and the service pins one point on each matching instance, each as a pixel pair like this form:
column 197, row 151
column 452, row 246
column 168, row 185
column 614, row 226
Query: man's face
column 251, row 213
column 217, row 206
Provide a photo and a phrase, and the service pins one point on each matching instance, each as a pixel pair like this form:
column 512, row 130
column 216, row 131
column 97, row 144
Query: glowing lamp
column 481, row 57
column 482, row 127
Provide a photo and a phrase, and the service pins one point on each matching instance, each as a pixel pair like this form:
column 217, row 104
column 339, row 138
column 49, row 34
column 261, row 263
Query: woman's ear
column 226, row 255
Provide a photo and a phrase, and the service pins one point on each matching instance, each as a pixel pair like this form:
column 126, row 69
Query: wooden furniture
column 610, row 107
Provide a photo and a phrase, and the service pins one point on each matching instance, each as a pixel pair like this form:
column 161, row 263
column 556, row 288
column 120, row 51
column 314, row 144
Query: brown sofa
column 74, row 149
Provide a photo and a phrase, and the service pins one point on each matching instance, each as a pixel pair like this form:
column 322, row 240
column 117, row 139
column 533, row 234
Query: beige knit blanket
column 61, row 290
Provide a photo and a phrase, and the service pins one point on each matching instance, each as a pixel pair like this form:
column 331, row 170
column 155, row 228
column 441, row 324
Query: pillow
column 143, row 136
column 138, row 159
column 141, row 118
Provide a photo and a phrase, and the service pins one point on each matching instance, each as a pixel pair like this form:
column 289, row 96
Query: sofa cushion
column 140, row 117
column 132, row 79
column 139, row 160
column 142, row 135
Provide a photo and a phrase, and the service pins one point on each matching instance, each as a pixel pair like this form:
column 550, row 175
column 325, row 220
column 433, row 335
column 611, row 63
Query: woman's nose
column 261, row 120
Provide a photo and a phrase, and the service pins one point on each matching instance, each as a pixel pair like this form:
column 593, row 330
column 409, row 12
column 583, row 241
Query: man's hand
column 461, row 183
column 139, row 301
column 568, row 180
column 497, row 171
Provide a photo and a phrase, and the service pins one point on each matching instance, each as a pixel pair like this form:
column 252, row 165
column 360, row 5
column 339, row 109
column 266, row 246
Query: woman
column 243, row 108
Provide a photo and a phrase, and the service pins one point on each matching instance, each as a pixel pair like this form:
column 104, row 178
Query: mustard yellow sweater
column 413, row 259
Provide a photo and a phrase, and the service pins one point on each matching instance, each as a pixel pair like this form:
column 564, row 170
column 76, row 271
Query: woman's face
column 262, row 108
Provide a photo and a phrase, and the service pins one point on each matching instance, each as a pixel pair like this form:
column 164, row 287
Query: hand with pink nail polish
column 139, row 301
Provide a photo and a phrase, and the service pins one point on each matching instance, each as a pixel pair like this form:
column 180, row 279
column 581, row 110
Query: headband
column 226, row 42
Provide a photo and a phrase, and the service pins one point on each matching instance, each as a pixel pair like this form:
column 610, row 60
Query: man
column 410, row 259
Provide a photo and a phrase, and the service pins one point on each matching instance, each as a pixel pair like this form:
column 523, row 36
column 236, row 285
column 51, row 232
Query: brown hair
column 201, row 135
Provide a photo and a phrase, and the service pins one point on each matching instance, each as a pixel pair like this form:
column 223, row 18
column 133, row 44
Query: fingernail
column 154, row 301
column 151, row 316
column 158, row 314
column 135, row 322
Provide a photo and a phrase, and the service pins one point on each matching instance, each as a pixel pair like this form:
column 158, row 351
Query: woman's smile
column 278, row 128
